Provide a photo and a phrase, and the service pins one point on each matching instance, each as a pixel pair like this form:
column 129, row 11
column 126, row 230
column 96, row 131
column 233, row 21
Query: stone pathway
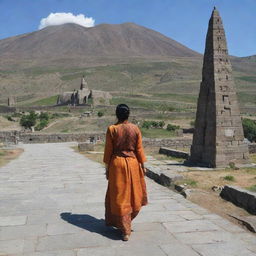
column 51, row 203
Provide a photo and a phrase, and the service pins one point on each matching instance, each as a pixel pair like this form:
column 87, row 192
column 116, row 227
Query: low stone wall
column 252, row 148
column 240, row 197
column 6, row 109
column 86, row 146
column 173, row 152
column 16, row 136
column 176, row 143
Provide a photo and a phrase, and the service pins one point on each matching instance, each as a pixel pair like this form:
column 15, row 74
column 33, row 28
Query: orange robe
column 126, row 191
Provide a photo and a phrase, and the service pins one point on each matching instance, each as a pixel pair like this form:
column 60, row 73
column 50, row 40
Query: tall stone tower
column 84, row 93
column 83, row 84
column 218, row 138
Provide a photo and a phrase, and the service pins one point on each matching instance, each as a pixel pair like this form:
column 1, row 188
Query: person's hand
column 143, row 169
column 106, row 172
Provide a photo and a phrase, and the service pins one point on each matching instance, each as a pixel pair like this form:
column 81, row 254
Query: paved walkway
column 51, row 203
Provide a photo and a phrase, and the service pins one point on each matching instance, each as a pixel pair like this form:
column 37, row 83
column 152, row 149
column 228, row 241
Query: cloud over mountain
column 60, row 18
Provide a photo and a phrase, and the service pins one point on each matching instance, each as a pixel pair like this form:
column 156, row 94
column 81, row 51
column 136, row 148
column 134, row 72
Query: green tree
column 29, row 120
column 44, row 116
column 249, row 127
column 43, row 123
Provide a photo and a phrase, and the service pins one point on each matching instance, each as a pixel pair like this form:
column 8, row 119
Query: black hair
column 122, row 112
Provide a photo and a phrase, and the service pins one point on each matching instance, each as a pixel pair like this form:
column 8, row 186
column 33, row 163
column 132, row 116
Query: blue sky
column 183, row 20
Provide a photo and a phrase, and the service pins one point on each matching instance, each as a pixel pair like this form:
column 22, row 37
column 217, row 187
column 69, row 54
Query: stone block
column 13, row 221
column 240, row 197
column 228, row 249
column 191, row 226
column 86, row 146
column 173, row 152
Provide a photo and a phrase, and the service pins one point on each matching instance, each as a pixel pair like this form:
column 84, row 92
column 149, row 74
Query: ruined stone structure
column 11, row 101
column 218, row 138
column 77, row 97
column 81, row 96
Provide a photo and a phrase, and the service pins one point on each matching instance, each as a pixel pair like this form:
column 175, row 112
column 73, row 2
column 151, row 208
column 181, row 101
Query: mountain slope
column 71, row 41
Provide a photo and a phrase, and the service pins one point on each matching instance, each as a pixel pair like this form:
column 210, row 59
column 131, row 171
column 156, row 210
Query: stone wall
column 86, row 146
column 14, row 137
column 6, row 109
column 252, row 148
column 173, row 152
column 240, row 197
column 177, row 143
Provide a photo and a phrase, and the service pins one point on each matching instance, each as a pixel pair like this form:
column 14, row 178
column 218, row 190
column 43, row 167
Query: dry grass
column 96, row 155
column 6, row 155
column 207, row 179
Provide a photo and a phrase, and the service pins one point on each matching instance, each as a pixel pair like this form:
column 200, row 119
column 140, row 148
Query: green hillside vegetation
column 49, row 101
column 163, row 90
column 167, row 83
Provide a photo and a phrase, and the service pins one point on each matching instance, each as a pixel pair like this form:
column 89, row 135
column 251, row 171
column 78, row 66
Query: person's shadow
column 91, row 224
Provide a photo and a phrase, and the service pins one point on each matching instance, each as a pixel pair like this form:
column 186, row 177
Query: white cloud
column 60, row 18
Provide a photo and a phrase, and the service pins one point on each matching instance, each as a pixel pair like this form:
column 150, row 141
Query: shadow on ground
column 91, row 224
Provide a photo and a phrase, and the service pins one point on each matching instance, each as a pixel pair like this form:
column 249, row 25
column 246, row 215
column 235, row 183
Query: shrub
column 9, row 118
column 233, row 166
column 171, row 127
column 249, row 127
column 28, row 121
column 100, row 114
column 229, row 178
column 153, row 124
column 43, row 123
column 16, row 114
column 44, row 116
column 146, row 124
column 161, row 124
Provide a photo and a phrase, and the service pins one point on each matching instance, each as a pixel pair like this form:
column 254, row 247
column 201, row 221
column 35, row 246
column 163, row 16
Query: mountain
column 70, row 41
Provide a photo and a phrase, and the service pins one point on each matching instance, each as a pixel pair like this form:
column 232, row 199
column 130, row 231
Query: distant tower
column 83, row 84
column 11, row 101
column 218, row 138
column 84, row 93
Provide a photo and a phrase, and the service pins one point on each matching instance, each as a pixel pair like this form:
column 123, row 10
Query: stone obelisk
column 218, row 138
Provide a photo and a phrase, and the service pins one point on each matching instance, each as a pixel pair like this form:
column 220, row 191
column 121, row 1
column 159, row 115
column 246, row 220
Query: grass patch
column 251, row 79
column 177, row 97
column 50, row 101
column 229, row 178
column 253, row 158
column 6, row 155
column 2, row 153
column 65, row 130
column 252, row 188
column 250, row 171
column 148, row 104
column 246, row 97
column 187, row 182
column 157, row 133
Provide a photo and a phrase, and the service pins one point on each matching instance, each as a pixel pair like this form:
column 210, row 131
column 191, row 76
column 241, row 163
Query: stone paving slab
column 52, row 204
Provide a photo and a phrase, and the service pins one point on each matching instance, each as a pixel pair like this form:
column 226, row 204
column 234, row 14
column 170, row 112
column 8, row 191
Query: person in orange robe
column 124, row 158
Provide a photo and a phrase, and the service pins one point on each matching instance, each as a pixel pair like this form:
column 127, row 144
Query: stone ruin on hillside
column 218, row 138
column 11, row 101
column 81, row 96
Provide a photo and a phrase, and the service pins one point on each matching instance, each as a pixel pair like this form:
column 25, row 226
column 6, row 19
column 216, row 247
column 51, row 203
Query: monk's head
column 122, row 112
